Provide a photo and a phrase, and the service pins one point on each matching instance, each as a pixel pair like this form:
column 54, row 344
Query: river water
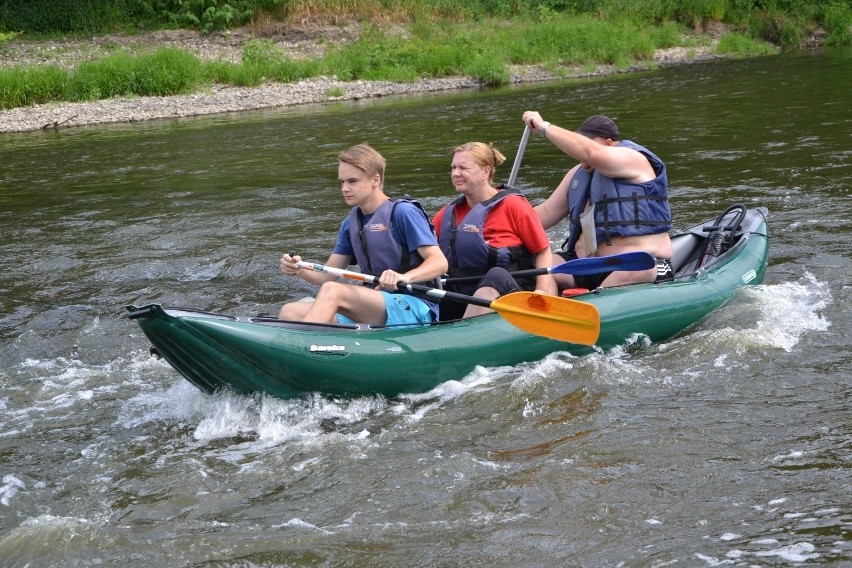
column 729, row 445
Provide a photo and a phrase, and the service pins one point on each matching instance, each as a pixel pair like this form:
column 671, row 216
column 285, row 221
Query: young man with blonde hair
column 389, row 239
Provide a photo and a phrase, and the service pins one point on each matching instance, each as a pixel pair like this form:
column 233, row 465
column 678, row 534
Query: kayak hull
column 287, row 359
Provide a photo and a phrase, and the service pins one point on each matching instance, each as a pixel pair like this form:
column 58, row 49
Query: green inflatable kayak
column 285, row 359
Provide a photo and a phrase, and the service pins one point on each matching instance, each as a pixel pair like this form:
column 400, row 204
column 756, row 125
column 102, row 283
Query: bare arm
column 605, row 157
column 433, row 266
column 555, row 208
column 545, row 282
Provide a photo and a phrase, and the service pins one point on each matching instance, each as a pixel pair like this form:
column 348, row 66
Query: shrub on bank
column 105, row 16
column 51, row 17
column 780, row 21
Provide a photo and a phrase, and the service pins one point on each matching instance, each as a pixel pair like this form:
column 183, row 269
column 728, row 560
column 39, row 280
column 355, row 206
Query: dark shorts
column 497, row 278
column 500, row 280
column 592, row 281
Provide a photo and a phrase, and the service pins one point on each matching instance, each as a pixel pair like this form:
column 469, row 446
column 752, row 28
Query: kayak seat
column 686, row 253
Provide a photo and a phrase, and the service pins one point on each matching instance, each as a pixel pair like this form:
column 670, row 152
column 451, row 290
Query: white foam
column 303, row 464
column 299, row 523
column 620, row 367
column 490, row 464
column 799, row 552
column 479, row 379
column 712, row 561
column 11, row 486
column 788, row 311
column 260, row 421
column 181, row 401
column 233, row 416
column 65, row 382
column 793, row 455
column 53, row 521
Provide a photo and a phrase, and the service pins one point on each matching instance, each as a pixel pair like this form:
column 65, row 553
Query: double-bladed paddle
column 581, row 266
column 537, row 314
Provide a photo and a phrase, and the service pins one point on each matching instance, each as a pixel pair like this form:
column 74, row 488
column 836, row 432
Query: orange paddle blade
column 551, row 316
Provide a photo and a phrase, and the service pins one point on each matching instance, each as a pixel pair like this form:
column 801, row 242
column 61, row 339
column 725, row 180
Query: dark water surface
column 730, row 445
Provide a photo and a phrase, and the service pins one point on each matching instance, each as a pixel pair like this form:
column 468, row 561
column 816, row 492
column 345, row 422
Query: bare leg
column 294, row 311
column 622, row 277
column 486, row 293
column 564, row 281
column 356, row 302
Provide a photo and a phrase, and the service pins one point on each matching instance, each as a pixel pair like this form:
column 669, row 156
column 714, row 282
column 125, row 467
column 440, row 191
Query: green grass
column 27, row 86
column 440, row 38
column 740, row 45
column 484, row 50
column 167, row 71
column 838, row 22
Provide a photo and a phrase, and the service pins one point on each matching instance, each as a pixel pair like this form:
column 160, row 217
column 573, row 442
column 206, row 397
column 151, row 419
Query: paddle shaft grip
column 417, row 289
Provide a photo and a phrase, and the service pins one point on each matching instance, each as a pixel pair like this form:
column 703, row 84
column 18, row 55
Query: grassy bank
column 402, row 40
column 483, row 50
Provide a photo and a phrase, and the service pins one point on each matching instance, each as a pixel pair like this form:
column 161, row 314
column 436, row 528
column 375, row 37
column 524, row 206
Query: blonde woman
column 488, row 231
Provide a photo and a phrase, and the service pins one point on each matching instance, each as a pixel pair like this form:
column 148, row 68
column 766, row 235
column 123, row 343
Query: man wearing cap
column 616, row 199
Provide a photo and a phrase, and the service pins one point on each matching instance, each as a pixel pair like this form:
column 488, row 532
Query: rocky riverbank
column 222, row 99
